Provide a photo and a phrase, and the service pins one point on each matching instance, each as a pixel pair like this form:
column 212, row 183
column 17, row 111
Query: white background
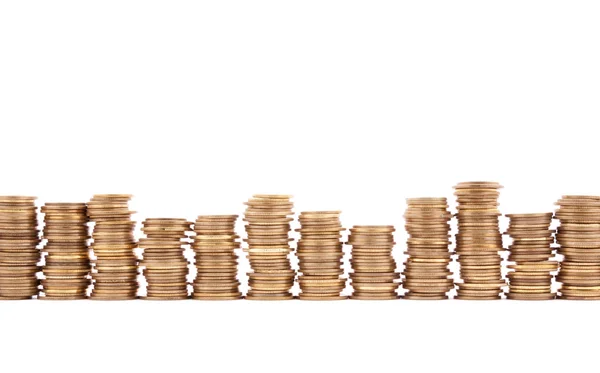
column 192, row 106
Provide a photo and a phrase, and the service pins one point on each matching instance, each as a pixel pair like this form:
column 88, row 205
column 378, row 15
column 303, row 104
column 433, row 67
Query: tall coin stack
column 320, row 254
column 373, row 266
column 164, row 265
column 268, row 228
column 216, row 260
column 67, row 262
column 426, row 272
column 531, row 251
column 115, row 267
column 579, row 241
column 479, row 242
column 19, row 255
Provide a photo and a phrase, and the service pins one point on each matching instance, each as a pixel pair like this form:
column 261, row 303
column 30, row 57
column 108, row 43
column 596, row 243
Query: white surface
column 352, row 105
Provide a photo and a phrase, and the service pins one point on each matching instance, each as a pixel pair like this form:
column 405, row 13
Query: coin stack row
column 67, row 274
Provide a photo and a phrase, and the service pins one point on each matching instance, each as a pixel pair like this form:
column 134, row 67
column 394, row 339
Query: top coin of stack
column 373, row 266
column 115, row 269
column 165, row 266
column 531, row 251
column 426, row 271
column 216, row 260
column 320, row 254
column 579, row 240
column 269, row 218
column 479, row 241
column 67, row 268
column 19, row 256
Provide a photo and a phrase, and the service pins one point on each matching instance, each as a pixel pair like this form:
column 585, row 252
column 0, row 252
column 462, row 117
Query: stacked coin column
column 479, row 242
column 164, row 265
column 532, row 252
column 578, row 237
column 19, row 255
column 374, row 273
column 115, row 267
column 426, row 273
column 216, row 262
column 67, row 264
column 320, row 254
column 268, row 220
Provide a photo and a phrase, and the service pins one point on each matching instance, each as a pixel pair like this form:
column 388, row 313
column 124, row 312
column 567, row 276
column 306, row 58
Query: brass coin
column 374, row 297
column 416, row 296
column 216, row 297
column 275, row 297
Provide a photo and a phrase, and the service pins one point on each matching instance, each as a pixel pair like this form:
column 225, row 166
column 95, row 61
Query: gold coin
column 421, row 296
column 217, row 297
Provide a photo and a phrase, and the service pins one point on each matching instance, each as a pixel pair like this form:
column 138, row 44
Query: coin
column 164, row 265
column 66, row 247
column 479, row 241
column 19, row 255
column 113, row 247
column 425, row 274
column 578, row 237
column 320, row 254
column 268, row 219
column 373, row 275
column 215, row 244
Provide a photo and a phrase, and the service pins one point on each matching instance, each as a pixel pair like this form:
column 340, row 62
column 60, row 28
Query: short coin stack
column 19, row 255
column 479, row 241
column 531, row 251
column 426, row 273
column 164, row 265
column 320, row 253
column 268, row 228
column 216, row 260
column 67, row 263
column 373, row 266
column 115, row 269
column 579, row 240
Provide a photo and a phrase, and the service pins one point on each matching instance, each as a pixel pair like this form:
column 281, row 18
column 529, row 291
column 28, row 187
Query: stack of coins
column 426, row 272
column 19, row 255
column 216, row 260
column 115, row 268
column 67, row 264
column 579, row 240
column 320, row 254
column 373, row 266
column 531, row 251
column 268, row 228
column 479, row 242
column 164, row 265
